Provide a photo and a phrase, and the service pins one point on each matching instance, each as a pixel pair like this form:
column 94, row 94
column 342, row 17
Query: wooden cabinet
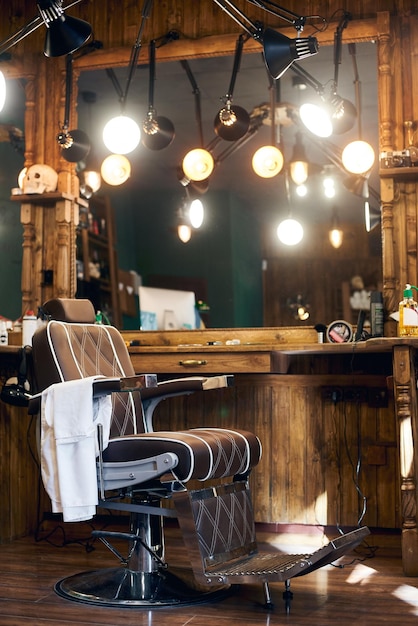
column 97, row 267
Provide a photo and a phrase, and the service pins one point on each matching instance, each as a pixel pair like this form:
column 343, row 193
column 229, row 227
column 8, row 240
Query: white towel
column 69, row 446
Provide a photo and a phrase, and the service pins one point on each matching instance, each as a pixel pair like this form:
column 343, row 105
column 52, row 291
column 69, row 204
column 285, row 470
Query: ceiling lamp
column 115, row 169
column 299, row 162
column 75, row 145
column 290, row 232
column 122, row 134
column 196, row 213
column 279, row 51
column 358, row 157
column 232, row 122
column 336, row 233
column 332, row 114
column 267, row 161
column 198, row 164
column 158, row 131
column 64, row 34
column 2, row 91
column 184, row 232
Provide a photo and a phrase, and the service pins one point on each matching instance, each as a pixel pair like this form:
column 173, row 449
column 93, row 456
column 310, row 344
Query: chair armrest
column 187, row 385
column 105, row 386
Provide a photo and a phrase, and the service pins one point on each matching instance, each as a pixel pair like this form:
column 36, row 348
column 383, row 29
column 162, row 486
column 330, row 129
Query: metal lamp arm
column 26, row 30
column 308, row 78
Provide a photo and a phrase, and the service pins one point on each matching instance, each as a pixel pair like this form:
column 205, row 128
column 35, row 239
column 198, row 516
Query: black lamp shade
column 79, row 149
column 162, row 137
column 344, row 115
column 237, row 129
column 65, row 35
column 280, row 51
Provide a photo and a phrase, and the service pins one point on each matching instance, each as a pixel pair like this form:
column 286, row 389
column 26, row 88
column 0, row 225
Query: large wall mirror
column 247, row 276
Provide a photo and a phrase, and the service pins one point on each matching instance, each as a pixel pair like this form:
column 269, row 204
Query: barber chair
column 140, row 471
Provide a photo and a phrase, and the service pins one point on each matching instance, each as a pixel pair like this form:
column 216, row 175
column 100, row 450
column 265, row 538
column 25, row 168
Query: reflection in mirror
column 235, row 261
column 11, row 163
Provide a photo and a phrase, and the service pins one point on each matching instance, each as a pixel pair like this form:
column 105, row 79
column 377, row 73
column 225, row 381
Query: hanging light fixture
column 232, row 122
column 336, row 233
column 279, row 51
column 268, row 160
column 332, row 114
column 299, row 162
column 198, row 164
column 122, row 134
column 115, row 169
column 158, row 131
column 75, row 145
column 358, row 156
column 64, row 35
column 289, row 231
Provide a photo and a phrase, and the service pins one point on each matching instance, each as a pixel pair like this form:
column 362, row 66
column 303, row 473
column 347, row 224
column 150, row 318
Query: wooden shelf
column 96, row 244
column 401, row 173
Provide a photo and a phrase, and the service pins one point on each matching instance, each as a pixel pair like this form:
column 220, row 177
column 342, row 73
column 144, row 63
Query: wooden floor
column 370, row 589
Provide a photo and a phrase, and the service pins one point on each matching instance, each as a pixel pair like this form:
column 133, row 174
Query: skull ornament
column 40, row 178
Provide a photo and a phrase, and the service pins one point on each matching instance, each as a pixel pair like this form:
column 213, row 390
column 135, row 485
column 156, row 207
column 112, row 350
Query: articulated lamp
column 75, row 145
column 279, row 51
column 232, row 122
column 122, row 134
column 2, row 91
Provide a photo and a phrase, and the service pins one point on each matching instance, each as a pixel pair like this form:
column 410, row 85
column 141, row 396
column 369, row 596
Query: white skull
column 40, row 178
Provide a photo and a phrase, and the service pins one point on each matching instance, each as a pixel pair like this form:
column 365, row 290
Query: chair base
column 121, row 587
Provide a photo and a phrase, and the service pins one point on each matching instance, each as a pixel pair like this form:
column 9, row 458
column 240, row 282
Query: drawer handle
column 193, row 362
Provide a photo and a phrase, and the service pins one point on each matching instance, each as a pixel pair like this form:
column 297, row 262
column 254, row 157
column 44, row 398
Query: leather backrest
column 67, row 351
column 70, row 310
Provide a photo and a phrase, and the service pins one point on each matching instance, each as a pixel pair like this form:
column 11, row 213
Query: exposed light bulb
column 198, row 164
column 336, row 237
column 115, row 169
column 196, row 213
column 92, row 179
column 299, row 172
column 290, row 232
column 121, row 135
column 267, row 161
column 316, row 119
column 358, row 157
column 184, row 232
column 301, row 191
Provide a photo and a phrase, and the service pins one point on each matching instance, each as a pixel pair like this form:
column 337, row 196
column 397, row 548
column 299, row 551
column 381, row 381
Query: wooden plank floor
column 370, row 589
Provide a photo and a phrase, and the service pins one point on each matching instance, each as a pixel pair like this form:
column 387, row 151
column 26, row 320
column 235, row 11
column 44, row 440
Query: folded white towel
column 69, row 446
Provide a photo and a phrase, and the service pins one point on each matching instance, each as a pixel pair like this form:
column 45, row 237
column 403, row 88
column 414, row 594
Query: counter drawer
column 198, row 362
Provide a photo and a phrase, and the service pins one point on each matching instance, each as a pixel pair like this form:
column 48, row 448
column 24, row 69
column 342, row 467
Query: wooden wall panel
column 319, row 457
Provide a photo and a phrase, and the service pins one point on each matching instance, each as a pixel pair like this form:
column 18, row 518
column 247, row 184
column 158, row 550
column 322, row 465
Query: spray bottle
column 408, row 313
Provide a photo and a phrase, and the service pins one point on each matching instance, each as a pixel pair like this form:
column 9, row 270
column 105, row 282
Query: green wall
column 10, row 235
column 226, row 250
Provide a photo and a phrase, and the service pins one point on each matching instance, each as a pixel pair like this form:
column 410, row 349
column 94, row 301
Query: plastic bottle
column 29, row 325
column 99, row 318
column 408, row 313
column 376, row 313
column 4, row 337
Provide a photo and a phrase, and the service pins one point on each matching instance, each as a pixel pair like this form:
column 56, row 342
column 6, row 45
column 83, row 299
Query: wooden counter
column 284, row 391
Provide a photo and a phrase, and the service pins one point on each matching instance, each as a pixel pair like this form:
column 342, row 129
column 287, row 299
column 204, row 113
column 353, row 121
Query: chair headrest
column 70, row 310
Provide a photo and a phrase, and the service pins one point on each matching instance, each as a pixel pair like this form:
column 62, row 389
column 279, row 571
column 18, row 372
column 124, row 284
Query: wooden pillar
column 406, row 410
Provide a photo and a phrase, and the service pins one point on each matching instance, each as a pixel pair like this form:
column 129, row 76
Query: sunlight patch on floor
column 409, row 595
column 360, row 574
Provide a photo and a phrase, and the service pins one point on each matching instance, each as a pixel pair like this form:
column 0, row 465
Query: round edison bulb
column 267, row 161
column 198, row 164
column 290, row 232
column 358, row 157
column 316, row 119
column 115, row 169
column 121, row 135
column 2, row 90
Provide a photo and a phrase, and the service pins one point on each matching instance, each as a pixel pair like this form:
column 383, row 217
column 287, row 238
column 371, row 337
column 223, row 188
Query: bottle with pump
column 408, row 313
